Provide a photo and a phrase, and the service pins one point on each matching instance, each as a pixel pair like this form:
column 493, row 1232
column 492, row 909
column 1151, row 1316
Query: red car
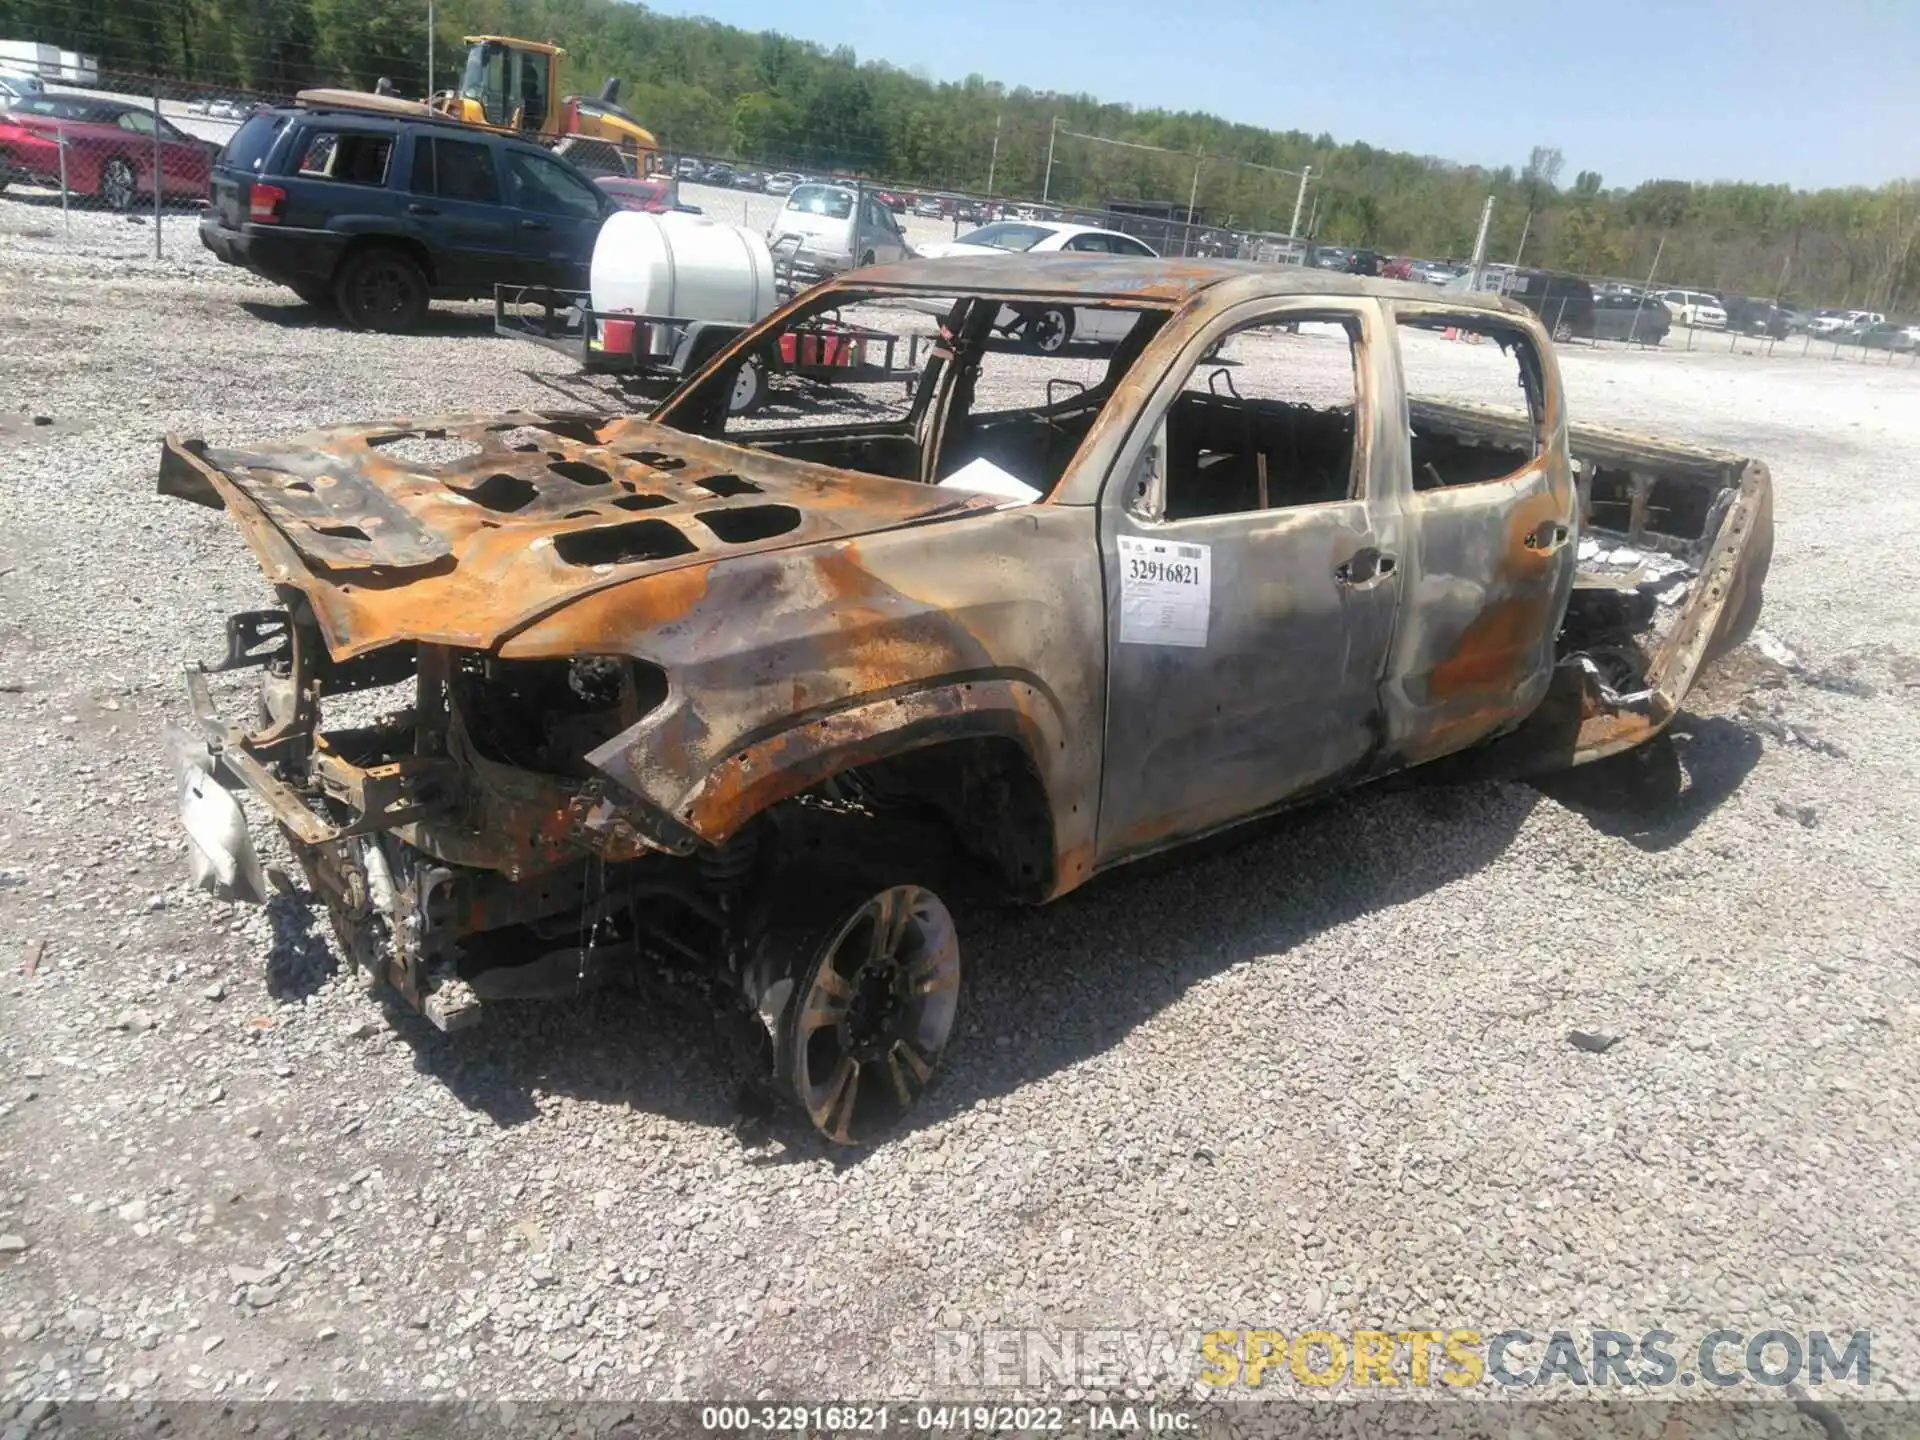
column 656, row 194
column 110, row 150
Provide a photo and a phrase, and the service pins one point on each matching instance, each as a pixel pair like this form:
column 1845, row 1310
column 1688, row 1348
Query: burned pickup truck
column 550, row 698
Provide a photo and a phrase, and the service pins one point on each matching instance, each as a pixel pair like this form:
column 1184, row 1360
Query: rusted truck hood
column 515, row 516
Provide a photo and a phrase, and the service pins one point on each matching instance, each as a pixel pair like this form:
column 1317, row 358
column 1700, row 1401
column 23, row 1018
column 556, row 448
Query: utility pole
column 1299, row 199
column 1193, row 195
column 1526, row 226
column 1480, row 242
column 1046, row 185
column 994, row 163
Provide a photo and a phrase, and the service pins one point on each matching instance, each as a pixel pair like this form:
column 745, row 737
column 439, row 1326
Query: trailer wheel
column 872, row 964
column 1562, row 332
column 749, row 391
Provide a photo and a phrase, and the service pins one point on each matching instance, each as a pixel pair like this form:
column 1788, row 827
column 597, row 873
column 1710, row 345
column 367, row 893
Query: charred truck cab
column 751, row 704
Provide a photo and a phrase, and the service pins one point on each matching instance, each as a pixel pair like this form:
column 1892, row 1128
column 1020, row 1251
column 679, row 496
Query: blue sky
column 1820, row 93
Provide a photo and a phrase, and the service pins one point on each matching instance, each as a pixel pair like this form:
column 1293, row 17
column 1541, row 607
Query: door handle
column 535, row 225
column 1366, row 567
column 1548, row 536
column 421, row 210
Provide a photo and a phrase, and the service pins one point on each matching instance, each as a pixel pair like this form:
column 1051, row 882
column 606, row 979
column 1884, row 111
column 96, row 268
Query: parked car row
column 217, row 108
column 728, row 176
column 378, row 214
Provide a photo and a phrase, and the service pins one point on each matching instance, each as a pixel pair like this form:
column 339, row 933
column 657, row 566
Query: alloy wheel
column 118, row 184
column 874, row 1013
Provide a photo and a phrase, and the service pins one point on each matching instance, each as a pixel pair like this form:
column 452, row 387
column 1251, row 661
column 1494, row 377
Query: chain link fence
column 120, row 165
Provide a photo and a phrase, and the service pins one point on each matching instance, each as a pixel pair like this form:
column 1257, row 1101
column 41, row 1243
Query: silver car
column 830, row 228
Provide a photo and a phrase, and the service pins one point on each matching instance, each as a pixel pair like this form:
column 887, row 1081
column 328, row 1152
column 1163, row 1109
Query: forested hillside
column 713, row 89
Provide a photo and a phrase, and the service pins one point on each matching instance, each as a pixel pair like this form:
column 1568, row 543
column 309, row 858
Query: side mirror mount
column 1145, row 494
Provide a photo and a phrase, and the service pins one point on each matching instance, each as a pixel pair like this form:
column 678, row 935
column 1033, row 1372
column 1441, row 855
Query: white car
column 830, row 228
column 1832, row 323
column 1859, row 322
column 1694, row 308
column 18, row 85
column 1049, row 329
column 781, row 182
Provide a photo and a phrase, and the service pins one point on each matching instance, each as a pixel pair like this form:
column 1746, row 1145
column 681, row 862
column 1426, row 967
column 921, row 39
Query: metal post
column 66, row 218
column 1046, row 185
column 1299, row 199
column 156, row 169
column 1480, row 244
column 1525, row 228
column 429, row 50
column 993, row 163
column 1193, row 196
column 1778, row 291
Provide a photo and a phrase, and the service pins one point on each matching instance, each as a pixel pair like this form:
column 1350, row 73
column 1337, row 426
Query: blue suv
column 379, row 210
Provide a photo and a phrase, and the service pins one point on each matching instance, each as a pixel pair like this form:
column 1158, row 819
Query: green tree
column 764, row 124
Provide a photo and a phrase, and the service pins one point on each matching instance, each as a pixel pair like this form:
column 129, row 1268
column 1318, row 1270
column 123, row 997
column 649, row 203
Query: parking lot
column 1320, row 1075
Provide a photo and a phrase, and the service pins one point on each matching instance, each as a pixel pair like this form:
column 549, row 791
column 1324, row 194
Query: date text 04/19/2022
column 944, row 1419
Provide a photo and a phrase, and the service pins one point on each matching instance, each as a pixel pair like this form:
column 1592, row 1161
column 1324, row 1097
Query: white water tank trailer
column 681, row 266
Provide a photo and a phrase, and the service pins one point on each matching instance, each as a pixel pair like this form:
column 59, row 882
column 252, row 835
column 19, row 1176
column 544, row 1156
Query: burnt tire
column 864, row 994
column 119, row 186
column 1048, row 330
column 384, row 289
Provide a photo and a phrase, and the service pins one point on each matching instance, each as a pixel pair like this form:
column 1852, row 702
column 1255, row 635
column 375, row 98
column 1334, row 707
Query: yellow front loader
column 514, row 85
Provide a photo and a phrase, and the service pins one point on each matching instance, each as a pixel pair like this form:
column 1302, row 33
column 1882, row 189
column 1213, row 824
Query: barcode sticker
column 1166, row 592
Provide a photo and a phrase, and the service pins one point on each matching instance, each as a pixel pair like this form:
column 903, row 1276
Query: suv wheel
column 868, row 989
column 118, row 184
column 382, row 289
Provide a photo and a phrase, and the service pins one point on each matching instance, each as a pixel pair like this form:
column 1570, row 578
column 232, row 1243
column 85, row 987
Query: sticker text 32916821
column 1166, row 590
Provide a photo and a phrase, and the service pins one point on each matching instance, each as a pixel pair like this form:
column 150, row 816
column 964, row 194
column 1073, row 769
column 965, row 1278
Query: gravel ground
column 1318, row 1076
